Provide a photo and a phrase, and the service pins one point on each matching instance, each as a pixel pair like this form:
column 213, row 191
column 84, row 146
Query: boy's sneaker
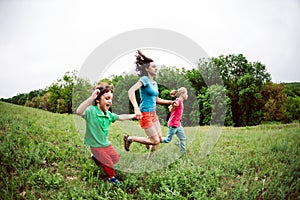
column 127, row 142
column 114, row 181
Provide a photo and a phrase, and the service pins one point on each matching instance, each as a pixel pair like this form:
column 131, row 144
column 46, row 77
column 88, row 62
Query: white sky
column 41, row 40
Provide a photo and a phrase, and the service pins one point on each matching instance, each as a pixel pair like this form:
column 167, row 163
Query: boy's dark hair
column 104, row 88
column 142, row 62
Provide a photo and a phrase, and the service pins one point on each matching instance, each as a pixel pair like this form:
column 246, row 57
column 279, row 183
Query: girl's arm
column 163, row 101
column 126, row 116
column 173, row 106
column 132, row 97
column 175, row 103
column 81, row 108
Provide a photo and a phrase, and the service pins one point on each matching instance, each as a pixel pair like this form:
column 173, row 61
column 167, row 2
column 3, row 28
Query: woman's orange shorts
column 148, row 119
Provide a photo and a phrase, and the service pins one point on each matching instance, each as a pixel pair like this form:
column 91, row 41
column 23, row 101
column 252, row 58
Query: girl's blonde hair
column 178, row 92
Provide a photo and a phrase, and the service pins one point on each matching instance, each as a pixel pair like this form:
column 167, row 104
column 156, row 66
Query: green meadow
column 42, row 156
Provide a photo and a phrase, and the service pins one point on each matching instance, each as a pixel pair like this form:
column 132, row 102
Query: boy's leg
column 110, row 172
column 104, row 160
column 115, row 157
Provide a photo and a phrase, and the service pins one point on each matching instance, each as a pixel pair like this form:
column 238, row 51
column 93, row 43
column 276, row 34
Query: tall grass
column 43, row 157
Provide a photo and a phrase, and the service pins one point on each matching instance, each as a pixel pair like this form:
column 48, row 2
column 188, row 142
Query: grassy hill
column 42, row 156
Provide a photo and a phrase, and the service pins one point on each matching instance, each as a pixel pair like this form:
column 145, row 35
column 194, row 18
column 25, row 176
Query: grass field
column 43, row 157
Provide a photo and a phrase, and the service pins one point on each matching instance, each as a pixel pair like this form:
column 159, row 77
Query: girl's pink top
column 176, row 114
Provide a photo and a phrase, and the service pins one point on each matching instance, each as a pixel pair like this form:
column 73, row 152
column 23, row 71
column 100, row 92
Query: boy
column 95, row 111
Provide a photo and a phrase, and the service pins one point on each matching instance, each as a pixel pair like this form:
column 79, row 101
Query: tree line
column 226, row 90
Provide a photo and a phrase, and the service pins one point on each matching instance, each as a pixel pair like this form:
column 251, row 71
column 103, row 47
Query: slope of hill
column 42, row 157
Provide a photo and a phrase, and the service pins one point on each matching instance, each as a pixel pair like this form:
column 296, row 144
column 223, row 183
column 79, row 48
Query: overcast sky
column 41, row 40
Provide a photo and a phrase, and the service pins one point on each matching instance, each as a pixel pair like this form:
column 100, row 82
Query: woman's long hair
column 142, row 62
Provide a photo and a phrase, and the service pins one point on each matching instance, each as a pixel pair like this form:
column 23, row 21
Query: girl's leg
column 171, row 132
column 180, row 134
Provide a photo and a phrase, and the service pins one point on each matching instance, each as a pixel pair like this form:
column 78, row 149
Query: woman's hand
column 138, row 113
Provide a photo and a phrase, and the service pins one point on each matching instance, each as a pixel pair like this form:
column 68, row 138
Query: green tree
column 82, row 90
column 36, row 93
column 293, row 108
column 115, row 79
column 243, row 81
column 292, row 89
column 275, row 101
column 24, row 98
column 61, row 93
column 204, row 76
column 195, row 78
column 19, row 99
column 44, row 102
column 41, row 102
column 121, row 102
column 216, row 108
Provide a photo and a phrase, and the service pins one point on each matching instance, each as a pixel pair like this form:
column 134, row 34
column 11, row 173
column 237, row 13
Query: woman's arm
column 81, row 108
column 163, row 101
column 132, row 97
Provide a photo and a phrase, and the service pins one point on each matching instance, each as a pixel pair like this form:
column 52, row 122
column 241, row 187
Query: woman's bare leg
column 152, row 139
column 154, row 136
column 157, row 128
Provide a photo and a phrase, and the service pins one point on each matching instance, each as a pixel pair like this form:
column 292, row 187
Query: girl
column 174, row 122
column 98, row 119
column 145, row 113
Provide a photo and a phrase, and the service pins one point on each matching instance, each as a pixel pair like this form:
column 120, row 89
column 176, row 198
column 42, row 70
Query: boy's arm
column 126, row 116
column 81, row 108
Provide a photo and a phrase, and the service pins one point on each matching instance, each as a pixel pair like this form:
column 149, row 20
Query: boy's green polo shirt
column 97, row 125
